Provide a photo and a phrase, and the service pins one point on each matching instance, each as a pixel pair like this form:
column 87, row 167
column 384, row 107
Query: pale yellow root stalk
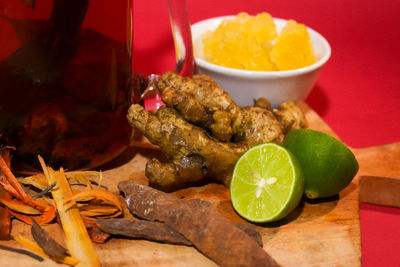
column 77, row 238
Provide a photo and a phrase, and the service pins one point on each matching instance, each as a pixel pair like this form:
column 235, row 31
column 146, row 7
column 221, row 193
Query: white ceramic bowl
column 276, row 86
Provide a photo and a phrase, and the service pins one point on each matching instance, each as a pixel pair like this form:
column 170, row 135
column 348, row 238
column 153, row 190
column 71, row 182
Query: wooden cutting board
column 316, row 233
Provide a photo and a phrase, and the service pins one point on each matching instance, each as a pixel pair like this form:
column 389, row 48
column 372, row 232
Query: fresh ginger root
column 203, row 132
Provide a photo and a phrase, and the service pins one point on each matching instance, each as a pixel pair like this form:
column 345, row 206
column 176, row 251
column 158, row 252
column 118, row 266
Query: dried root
column 209, row 231
column 203, row 132
column 158, row 231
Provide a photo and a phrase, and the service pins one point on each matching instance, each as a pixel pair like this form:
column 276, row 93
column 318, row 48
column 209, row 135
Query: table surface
column 357, row 93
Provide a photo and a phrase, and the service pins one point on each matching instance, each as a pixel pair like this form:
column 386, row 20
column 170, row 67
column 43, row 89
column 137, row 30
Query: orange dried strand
column 5, row 217
column 8, row 187
column 46, row 217
column 11, row 179
column 109, row 204
column 38, row 181
column 105, row 196
column 95, row 233
column 18, row 191
column 13, row 187
column 19, row 206
column 32, row 246
column 100, row 181
column 7, row 155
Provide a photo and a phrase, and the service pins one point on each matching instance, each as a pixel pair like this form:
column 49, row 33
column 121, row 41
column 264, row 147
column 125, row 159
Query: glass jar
column 65, row 81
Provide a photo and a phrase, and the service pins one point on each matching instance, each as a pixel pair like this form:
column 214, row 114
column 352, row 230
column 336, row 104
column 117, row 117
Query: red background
column 357, row 93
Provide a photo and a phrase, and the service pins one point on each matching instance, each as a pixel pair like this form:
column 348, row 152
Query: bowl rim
column 262, row 74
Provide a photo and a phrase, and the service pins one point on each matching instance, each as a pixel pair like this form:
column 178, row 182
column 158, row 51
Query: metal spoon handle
column 182, row 34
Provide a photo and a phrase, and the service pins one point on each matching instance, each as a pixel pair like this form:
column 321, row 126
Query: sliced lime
column 267, row 183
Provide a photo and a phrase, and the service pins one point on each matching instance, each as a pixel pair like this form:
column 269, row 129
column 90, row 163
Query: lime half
column 267, row 183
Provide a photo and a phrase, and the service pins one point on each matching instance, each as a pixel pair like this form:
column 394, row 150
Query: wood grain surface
column 316, row 233
column 380, row 190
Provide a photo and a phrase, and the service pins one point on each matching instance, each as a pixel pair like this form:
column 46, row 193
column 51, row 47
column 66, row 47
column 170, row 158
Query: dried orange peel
column 39, row 181
column 109, row 205
column 19, row 206
column 11, row 184
column 5, row 216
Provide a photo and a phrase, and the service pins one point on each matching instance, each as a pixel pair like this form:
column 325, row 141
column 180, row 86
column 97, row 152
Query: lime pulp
column 267, row 183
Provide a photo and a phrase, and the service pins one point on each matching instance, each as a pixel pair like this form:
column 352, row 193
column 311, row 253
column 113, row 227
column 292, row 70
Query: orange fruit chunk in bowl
column 244, row 42
column 293, row 48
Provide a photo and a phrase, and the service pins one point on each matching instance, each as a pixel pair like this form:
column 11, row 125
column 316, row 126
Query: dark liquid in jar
column 64, row 92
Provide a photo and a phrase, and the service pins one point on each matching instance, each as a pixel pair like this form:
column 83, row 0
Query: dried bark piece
column 48, row 244
column 209, row 231
column 155, row 231
column 251, row 230
column 158, row 231
column 96, row 234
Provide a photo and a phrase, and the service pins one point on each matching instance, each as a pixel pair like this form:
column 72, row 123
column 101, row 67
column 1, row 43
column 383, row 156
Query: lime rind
column 262, row 190
column 328, row 164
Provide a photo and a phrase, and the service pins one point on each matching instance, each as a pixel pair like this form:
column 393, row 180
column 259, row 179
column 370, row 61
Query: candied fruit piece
column 244, row 42
column 293, row 48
